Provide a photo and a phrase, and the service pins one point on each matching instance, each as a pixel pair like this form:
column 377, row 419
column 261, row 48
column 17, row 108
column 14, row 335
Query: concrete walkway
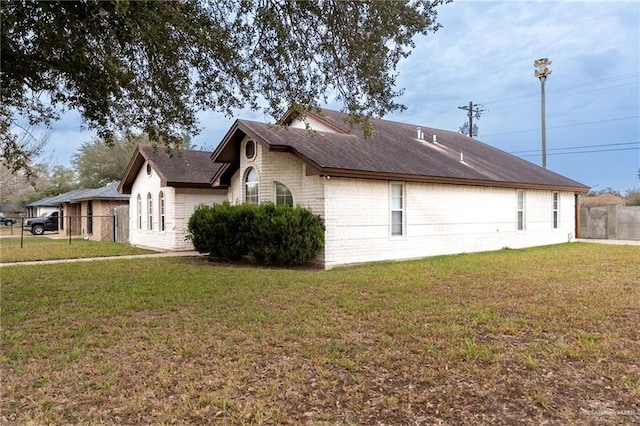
column 93, row 259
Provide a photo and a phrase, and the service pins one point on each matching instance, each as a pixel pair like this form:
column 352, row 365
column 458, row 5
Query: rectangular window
column 521, row 210
column 397, row 209
column 149, row 212
column 139, row 208
column 556, row 210
column 162, row 211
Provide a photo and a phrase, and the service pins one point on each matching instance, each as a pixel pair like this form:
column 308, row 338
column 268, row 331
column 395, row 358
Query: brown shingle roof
column 184, row 168
column 393, row 151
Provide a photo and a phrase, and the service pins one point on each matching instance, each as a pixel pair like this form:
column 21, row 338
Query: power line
column 472, row 109
column 583, row 152
column 564, row 95
column 579, row 147
column 579, row 85
column 564, row 125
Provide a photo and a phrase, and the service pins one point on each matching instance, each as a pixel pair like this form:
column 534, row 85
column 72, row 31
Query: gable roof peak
column 177, row 168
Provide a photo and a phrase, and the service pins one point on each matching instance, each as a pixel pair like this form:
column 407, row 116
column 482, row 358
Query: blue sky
column 484, row 53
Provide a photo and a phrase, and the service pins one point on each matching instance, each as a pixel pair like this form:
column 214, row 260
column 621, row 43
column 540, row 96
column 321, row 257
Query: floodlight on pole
column 542, row 72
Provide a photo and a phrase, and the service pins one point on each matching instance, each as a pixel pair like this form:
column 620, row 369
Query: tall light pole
column 542, row 72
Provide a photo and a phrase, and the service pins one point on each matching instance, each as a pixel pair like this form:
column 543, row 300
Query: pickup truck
column 8, row 221
column 38, row 225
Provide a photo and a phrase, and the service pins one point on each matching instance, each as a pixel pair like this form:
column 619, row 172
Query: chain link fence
column 113, row 227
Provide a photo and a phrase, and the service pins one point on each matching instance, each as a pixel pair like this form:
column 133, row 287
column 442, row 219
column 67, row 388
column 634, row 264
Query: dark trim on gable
column 130, row 173
column 216, row 180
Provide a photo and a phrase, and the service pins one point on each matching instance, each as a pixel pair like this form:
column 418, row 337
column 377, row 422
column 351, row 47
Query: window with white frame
column 251, row 186
column 139, row 211
column 149, row 212
column 283, row 195
column 521, row 211
column 397, row 209
column 556, row 210
column 161, row 207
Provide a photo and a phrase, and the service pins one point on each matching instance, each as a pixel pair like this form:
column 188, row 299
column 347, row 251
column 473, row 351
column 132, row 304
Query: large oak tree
column 149, row 66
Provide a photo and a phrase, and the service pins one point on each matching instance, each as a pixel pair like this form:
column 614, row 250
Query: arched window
column 251, row 186
column 162, row 210
column 139, row 211
column 149, row 212
column 283, row 195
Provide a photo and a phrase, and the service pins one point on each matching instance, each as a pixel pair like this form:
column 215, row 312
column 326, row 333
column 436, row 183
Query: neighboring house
column 8, row 210
column 51, row 204
column 90, row 212
column 45, row 205
column 403, row 192
column 83, row 212
column 164, row 191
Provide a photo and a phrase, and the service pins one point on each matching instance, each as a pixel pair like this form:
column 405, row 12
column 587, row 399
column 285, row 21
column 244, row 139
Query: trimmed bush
column 271, row 234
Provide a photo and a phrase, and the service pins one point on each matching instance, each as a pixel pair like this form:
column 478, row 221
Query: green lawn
column 544, row 335
column 44, row 248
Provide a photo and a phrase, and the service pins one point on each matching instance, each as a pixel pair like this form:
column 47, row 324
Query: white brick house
column 164, row 191
column 401, row 193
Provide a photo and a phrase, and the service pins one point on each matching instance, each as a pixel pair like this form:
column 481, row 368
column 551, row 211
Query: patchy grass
column 545, row 335
column 10, row 230
column 43, row 248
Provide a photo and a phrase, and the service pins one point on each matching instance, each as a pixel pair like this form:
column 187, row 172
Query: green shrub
column 271, row 234
column 200, row 226
column 633, row 197
column 286, row 235
column 217, row 229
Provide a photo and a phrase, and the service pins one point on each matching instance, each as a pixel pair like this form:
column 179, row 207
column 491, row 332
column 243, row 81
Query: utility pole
column 472, row 109
column 542, row 72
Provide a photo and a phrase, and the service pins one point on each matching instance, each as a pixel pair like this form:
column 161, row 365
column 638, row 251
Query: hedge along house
column 403, row 192
column 164, row 191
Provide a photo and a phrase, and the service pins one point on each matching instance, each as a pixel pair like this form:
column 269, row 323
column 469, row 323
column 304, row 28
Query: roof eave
column 199, row 185
column 216, row 178
column 364, row 174
column 130, row 173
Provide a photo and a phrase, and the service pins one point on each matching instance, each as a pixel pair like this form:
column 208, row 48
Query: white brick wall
column 278, row 167
column 180, row 204
column 439, row 219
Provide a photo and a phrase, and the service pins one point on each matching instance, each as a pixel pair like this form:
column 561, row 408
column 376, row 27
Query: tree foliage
column 149, row 66
column 39, row 179
column 632, row 197
column 18, row 189
column 607, row 190
column 99, row 163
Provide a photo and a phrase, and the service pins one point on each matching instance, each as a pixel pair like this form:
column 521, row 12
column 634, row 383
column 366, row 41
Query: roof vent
column 435, row 140
column 419, row 133
column 462, row 157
